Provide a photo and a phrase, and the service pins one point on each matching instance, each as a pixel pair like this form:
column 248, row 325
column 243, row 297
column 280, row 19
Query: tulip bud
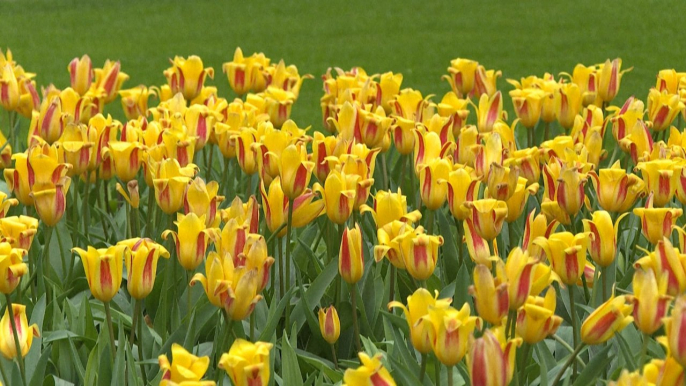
column 329, row 324
column 666, row 261
column 12, row 267
column 419, row 253
column 603, row 247
column 489, row 111
column 616, row 190
column 462, row 74
column 191, row 240
column 247, row 363
column 462, row 187
column 433, row 179
column 25, row 333
column 338, row 195
column 201, row 198
column 528, row 104
column 388, row 239
column 519, row 199
column 108, row 80
column 567, row 104
column 536, row 319
column 491, row 360
column 81, row 74
column 609, row 79
column 609, row 318
column 141, row 265
column 350, row 258
column 650, row 300
column 295, row 171
column 490, row 293
column 104, row 269
column 663, row 107
column 661, row 178
column 9, row 88
column 664, row 372
column 132, row 197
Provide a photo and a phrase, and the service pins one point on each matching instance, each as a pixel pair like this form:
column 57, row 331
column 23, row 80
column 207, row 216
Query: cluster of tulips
column 587, row 259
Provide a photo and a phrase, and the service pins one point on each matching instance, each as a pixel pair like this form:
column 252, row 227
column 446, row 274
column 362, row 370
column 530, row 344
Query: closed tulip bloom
column 485, row 155
column 488, row 216
column 141, row 265
column 428, row 148
column 134, row 101
column 9, row 88
column 18, row 231
column 518, row 201
column 387, row 89
column 419, row 253
column 478, row 248
column 247, row 363
column 462, row 187
column 666, row 261
column 104, row 269
column 187, row 76
column 25, row 333
column 12, row 267
column 465, row 140
column 49, row 123
column 246, row 73
column 675, row 326
column 390, row 207
column 201, row 198
column 51, row 203
column 275, row 206
column 536, row 319
column 519, row 270
column 664, row 372
column 388, row 242
column 295, row 171
column 661, row 178
column 502, row 181
column 490, row 293
column 616, row 190
column 81, row 74
column 452, row 331
column 638, row 142
column 184, row 367
column 490, row 109
column 609, row 79
column 329, row 324
column 566, row 253
column 200, row 122
column 567, row 104
column 536, row 226
column 127, row 158
column 170, row 181
column 650, row 300
column 663, row 109
column 669, row 80
column 29, row 100
column 191, row 240
column 485, row 81
column 462, row 73
column 433, row 178
column 350, row 258
column 422, row 333
column 371, row 372
column 247, row 250
column 657, row 223
column 338, row 193
column 528, row 104
column 491, row 360
column 609, row 318
column 603, row 247
column 623, row 120
column 108, row 80
column 324, row 147
column 456, row 109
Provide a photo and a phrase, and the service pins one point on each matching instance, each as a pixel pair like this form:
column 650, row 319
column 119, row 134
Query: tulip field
column 422, row 209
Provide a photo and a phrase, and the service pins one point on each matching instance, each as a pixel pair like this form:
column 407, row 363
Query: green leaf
column 290, row 366
column 120, row 359
column 315, row 292
column 594, row 367
column 320, row 364
column 275, row 313
column 449, row 248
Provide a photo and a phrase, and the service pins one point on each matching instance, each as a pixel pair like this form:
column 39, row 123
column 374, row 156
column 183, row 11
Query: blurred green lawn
column 416, row 38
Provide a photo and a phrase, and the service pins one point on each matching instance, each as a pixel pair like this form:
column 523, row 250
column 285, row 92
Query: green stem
column 139, row 304
column 403, row 170
column 208, row 172
column 276, row 232
column 450, row 375
column 603, row 279
column 134, row 322
column 108, row 316
column 384, row 171
column 512, row 324
column 333, row 355
column 568, row 362
column 356, row 326
column 5, row 379
column 189, row 275
column 391, row 292
column 20, row 358
column 575, row 331
column 45, row 261
column 422, row 369
column 546, row 132
column 511, row 235
column 150, row 208
column 252, row 326
column 289, row 231
column 86, row 207
column 644, row 351
column 63, row 258
column 437, row 372
column 430, row 221
column 136, row 222
column 413, row 184
column 281, row 267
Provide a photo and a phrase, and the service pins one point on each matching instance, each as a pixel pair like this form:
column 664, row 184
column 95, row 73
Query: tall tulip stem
column 108, row 316
column 334, row 357
column 437, row 372
column 391, row 292
column 575, row 331
column 569, row 361
column 13, row 321
column 289, row 230
column 644, row 351
column 356, row 325
column 384, row 171
column 45, row 261
column 422, row 368
column 450, row 375
column 137, row 328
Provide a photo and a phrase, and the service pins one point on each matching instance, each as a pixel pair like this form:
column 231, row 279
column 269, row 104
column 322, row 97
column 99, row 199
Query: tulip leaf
column 594, row 367
column 120, row 358
column 320, row 364
column 448, row 249
column 315, row 291
column 275, row 312
column 626, row 352
column 290, row 366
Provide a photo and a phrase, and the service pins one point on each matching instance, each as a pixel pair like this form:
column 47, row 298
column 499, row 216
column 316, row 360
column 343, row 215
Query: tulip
column 462, row 74
column 428, row 148
column 329, row 324
column 25, row 333
column 490, row 360
column 462, row 187
column 184, row 367
column 134, row 101
column 488, row 216
column 187, row 76
column 487, row 154
column 127, row 159
column 245, row 214
column 141, row 265
column 466, row 138
column 9, row 88
column 632, row 111
column 567, row 104
column 536, row 226
column 419, row 253
column 12, row 267
column 338, row 195
column 351, row 260
column 527, row 160
column 638, row 143
column 517, row 203
column 661, row 178
column 657, row 223
column 247, row 363
column 295, row 171
column 609, row 79
column 664, row 372
column 371, row 372
column 246, row 74
column 603, row 247
column 456, row 109
column 666, row 261
column 18, row 231
column 674, row 329
column 104, row 269
column 422, row 333
column 490, row 109
column 502, row 181
column 663, row 108
column 650, row 300
column 616, row 190
column 669, row 80
column 485, row 81
column 536, row 319
column 452, row 329
column 81, row 74
column 275, row 102
column 402, row 132
column 388, row 242
column 490, row 293
column 108, row 80
column 29, row 101
column 409, row 104
column 519, row 270
column 433, row 178
column 247, row 250
column 528, row 104
column 609, row 318
column 323, row 148
column 170, row 181
column 566, row 253
column 6, row 203
column 478, row 248
column 201, row 198
column 275, row 206
column 191, row 240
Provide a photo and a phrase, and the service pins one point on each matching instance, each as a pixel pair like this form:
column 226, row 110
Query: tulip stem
column 546, row 132
column 252, row 326
column 85, row 206
column 384, row 171
column 511, row 324
column 575, row 332
column 5, row 379
column 422, row 368
column 450, row 375
column 275, row 233
column 45, row 261
column 437, row 372
column 644, row 351
column 413, row 177
column 281, row 265
column 189, row 275
column 402, row 171
column 356, row 325
column 208, row 172
column 137, row 327
column 603, row 279
column 569, row 361
column 108, row 316
column 335, row 358
column 289, row 230
column 429, row 222
column 391, row 292
column 13, row 324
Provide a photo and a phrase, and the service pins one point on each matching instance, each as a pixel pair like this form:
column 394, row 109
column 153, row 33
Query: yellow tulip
column 517, row 203
column 491, row 359
column 520, row 268
column 603, row 247
column 490, row 109
column 201, row 198
column 12, row 267
column 616, row 190
column 338, row 194
column 502, row 181
column 638, row 142
column 487, row 154
column 187, row 76
column 567, row 104
column 650, row 300
column 18, row 231
column 419, row 253
column 462, row 74
column 246, row 74
column 410, row 104
column 295, row 171
column 402, row 132
column 663, row 108
column 371, row 372
column 388, row 242
column 247, row 363
column 536, row 319
column 490, row 293
column 666, row 261
column 421, row 330
column 390, row 207
column 350, row 258
column 191, row 240
column 488, row 216
column 170, row 181
column 108, row 81
column 433, row 179
column 675, row 326
column 104, row 269
column 536, row 225
column 623, row 120
column 527, row 160
column 462, row 187
column 275, row 206
column 127, row 158
column 664, row 372
column 141, row 265
column 456, row 109
column 184, row 367
column 609, row 318
column 657, row 223
column 566, row 253
column 81, row 74
column 452, row 331
column 329, row 324
column 528, row 104
column 9, row 88
column 609, row 79
column 25, row 333
column 478, row 248
column 485, row 81
column 661, row 178
column 669, row 80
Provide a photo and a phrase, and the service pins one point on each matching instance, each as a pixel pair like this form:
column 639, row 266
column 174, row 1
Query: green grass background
column 416, row 38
